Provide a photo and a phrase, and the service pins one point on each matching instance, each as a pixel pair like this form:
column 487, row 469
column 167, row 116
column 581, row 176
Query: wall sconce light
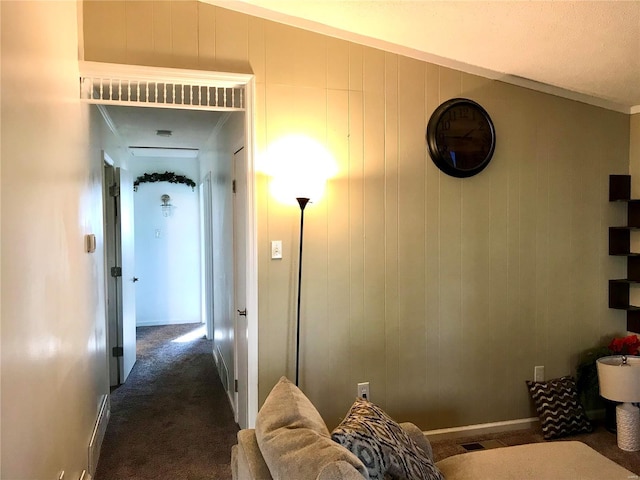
column 167, row 208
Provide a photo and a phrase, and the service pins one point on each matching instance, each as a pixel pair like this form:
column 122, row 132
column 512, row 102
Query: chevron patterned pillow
column 559, row 410
column 384, row 447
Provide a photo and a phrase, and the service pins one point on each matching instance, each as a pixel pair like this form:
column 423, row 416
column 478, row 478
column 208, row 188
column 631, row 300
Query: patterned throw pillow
column 383, row 446
column 559, row 410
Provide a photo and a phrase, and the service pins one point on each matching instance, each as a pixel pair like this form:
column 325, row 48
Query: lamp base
column 628, row 424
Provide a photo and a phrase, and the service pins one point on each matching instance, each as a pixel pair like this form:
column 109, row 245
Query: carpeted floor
column 171, row 419
column 600, row 439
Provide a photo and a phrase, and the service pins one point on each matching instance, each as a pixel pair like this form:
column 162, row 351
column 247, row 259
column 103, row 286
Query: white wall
column 53, row 358
column 167, row 249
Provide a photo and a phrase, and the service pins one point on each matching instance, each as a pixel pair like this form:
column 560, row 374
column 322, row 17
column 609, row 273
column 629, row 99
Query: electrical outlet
column 276, row 249
column 538, row 374
column 363, row 390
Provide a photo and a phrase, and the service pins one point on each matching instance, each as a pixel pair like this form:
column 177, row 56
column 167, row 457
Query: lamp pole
column 302, row 201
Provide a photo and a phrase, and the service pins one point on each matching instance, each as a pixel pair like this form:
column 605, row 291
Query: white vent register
column 133, row 85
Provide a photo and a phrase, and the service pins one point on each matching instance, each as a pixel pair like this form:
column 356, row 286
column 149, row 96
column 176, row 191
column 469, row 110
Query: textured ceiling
column 585, row 50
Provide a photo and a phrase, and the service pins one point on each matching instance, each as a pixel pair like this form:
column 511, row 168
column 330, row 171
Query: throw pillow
column 293, row 438
column 559, row 409
column 383, row 446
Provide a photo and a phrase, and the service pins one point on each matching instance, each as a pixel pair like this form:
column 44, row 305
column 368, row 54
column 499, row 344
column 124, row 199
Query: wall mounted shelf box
column 620, row 245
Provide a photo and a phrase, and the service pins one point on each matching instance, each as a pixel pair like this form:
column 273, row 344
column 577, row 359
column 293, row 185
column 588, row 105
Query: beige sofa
column 291, row 442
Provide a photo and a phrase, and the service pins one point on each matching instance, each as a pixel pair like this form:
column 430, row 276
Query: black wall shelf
column 620, row 245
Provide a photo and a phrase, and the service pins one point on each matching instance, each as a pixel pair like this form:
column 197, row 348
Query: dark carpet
column 600, row 440
column 171, row 419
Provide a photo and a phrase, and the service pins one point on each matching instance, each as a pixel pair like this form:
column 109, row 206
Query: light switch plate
column 276, row 249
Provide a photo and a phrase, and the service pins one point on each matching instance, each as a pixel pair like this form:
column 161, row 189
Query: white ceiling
column 137, row 126
column 586, row 50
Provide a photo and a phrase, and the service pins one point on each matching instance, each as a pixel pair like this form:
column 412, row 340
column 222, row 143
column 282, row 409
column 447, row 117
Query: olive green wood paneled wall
column 634, row 154
column 443, row 293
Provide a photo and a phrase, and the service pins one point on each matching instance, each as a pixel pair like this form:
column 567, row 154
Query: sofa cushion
column 293, row 438
column 559, row 460
column 559, row 408
column 383, row 446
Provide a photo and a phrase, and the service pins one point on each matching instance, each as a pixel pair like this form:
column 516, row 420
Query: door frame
column 239, row 297
column 96, row 70
column 207, row 248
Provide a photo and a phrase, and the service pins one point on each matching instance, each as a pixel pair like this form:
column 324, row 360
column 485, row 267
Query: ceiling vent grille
column 142, row 86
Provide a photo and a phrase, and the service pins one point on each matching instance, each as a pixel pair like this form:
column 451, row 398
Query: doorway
column 237, row 91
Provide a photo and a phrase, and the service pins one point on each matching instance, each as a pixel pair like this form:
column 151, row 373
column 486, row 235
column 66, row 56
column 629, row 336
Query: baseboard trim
column 482, row 428
column 496, row 427
column 97, row 436
column 215, row 359
column 223, row 371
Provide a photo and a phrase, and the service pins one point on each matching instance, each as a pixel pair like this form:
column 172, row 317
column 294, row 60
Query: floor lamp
column 303, row 178
column 302, row 201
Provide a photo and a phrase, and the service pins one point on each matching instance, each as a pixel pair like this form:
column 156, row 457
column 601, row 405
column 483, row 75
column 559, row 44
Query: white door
column 240, row 283
column 127, row 261
column 207, row 225
column 119, row 247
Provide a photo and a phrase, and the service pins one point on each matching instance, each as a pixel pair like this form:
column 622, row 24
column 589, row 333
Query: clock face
column 461, row 137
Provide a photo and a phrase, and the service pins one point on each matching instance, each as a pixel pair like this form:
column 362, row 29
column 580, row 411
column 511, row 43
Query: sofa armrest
column 234, row 462
column 418, row 437
column 249, row 463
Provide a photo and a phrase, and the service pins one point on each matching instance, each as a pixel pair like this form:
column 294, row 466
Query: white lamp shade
column 618, row 382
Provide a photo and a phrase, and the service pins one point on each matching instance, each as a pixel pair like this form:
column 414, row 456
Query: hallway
column 171, row 419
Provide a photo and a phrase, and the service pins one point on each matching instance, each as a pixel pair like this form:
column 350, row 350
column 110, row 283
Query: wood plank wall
column 443, row 293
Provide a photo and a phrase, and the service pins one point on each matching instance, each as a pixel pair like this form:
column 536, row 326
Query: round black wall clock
column 461, row 137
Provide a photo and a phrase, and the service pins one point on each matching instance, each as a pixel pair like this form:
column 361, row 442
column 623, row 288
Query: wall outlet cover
column 363, row 391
